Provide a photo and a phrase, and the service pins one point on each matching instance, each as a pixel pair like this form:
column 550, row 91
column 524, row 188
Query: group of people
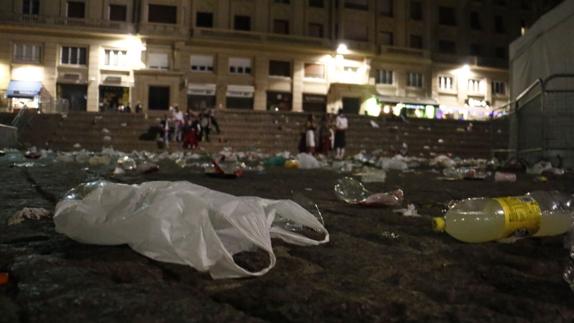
column 189, row 128
column 325, row 136
column 106, row 106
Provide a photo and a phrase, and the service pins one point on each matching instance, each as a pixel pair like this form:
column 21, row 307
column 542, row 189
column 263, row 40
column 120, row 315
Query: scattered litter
column 2, row 153
column 540, row 179
column 390, row 235
column 223, row 167
column 544, row 167
column 32, row 153
column 372, row 175
column 463, row 173
column 26, row 165
column 352, row 191
column 504, row 177
column 409, row 211
column 126, row 163
column 105, row 130
column 198, row 227
column 29, row 213
column 124, row 124
column 443, row 161
column 292, row 164
column 77, row 146
column 374, row 124
column 107, row 138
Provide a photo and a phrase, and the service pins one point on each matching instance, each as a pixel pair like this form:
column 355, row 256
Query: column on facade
column 299, row 18
column 261, row 82
column 297, row 86
column 222, row 66
column 93, row 78
column 261, row 16
column 5, row 58
column 50, row 72
column 223, row 14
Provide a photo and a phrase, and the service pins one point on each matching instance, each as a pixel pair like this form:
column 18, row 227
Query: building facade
column 434, row 58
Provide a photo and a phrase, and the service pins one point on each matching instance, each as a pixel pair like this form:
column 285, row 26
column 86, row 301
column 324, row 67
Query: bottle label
column 522, row 215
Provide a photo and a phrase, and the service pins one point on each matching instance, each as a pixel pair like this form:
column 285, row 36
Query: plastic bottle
column 486, row 219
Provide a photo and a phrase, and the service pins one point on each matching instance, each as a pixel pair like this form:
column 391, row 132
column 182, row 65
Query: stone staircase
column 266, row 131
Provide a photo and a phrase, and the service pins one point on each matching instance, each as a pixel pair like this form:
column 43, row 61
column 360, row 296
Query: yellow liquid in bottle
column 484, row 219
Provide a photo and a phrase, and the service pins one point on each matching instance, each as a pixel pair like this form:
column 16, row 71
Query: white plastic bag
column 183, row 223
column 307, row 161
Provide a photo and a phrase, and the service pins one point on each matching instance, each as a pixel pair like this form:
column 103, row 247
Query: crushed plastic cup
column 352, row 191
column 307, row 161
column 32, row 153
column 147, row 168
column 504, row 177
column 126, row 163
column 223, row 167
column 410, row 211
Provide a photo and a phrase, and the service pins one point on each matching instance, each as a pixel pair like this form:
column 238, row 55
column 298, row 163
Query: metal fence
column 542, row 125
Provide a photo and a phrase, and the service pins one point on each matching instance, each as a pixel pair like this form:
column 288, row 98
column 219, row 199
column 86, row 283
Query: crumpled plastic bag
column 397, row 162
column 183, row 223
column 307, row 161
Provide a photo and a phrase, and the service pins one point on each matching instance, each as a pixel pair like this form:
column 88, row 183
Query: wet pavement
column 379, row 266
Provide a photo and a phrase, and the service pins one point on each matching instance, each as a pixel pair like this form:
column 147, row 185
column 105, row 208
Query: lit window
column 415, row 79
column 316, row 71
column 473, row 85
column 28, row 53
column 239, row 65
column 202, row 63
column 384, row 77
column 115, row 57
column 445, row 82
column 74, row 55
column 158, row 61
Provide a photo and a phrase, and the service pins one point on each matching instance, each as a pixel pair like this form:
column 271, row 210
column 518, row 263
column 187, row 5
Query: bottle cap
column 438, row 224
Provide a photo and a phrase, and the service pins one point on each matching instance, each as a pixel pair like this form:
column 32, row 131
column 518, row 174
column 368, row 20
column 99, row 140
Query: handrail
column 529, row 88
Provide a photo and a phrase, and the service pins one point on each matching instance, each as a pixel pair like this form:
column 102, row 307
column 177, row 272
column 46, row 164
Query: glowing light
column 342, row 49
column 28, row 73
column 372, row 107
column 464, row 71
column 387, row 109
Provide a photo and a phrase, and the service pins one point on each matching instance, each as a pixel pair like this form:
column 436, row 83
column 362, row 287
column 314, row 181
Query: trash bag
column 183, row 223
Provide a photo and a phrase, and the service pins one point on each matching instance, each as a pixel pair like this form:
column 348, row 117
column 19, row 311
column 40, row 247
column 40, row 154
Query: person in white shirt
column 341, row 125
column 179, row 121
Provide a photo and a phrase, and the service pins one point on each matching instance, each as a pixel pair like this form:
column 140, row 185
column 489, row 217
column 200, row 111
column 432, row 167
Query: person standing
column 310, row 128
column 341, row 125
column 179, row 122
column 205, row 123
column 325, row 130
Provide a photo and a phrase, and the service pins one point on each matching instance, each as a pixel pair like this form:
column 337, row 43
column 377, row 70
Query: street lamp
column 342, row 49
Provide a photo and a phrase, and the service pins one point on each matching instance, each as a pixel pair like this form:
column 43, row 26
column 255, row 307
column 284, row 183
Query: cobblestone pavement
column 378, row 267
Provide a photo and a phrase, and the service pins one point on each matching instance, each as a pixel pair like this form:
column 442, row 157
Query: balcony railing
column 65, row 22
column 413, row 52
column 249, row 36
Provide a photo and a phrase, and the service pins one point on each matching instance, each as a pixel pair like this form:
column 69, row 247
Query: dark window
column 387, row 7
column 316, row 30
column 351, row 105
column 279, row 101
column 475, row 20
column 446, row 16
column 280, row 68
column 475, row 50
column 118, row 12
column 76, row 9
column 31, row 7
column 315, row 70
column 314, row 103
column 447, row 46
column 204, row 19
column 500, row 52
column 357, row 4
column 242, row 23
column 239, row 103
column 316, row 3
column 387, row 38
column 162, row 14
column 499, row 24
column 498, row 87
column 416, row 41
column 74, row 55
column 280, row 26
column 158, row 98
column 416, row 10
column 282, row 1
